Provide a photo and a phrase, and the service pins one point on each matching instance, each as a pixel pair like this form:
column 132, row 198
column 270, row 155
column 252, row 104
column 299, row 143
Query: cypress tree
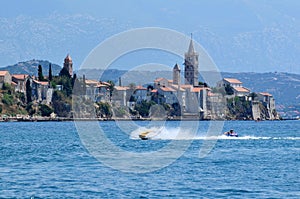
column 28, row 92
column 50, row 72
column 40, row 74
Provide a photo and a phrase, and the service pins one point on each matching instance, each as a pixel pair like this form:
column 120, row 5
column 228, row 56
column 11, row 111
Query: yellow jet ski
column 144, row 136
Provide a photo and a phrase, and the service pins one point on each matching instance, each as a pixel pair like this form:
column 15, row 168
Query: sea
column 182, row 159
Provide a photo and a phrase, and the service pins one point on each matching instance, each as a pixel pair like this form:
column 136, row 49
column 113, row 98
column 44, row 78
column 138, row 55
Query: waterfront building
column 5, row 77
column 236, row 85
column 19, row 81
column 40, row 90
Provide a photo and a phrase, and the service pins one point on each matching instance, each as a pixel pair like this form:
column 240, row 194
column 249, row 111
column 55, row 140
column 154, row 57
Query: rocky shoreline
column 64, row 119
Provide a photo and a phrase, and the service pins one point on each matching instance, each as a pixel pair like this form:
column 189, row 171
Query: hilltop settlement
column 65, row 96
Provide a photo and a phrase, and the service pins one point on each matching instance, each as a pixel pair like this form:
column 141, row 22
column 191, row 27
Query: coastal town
column 65, row 96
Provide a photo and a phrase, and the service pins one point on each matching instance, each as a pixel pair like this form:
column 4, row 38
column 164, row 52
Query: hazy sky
column 222, row 17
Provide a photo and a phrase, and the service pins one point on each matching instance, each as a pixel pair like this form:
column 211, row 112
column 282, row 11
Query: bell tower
column 191, row 65
column 176, row 75
column 68, row 64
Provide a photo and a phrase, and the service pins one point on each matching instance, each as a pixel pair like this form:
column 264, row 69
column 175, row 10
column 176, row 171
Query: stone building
column 20, row 82
column 5, row 77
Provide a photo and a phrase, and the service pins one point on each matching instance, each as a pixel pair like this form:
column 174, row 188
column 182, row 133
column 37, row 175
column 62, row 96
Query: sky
column 214, row 23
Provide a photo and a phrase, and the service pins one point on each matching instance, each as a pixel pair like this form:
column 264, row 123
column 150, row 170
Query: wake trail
column 167, row 133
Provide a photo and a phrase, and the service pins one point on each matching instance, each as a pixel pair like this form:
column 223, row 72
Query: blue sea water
column 49, row 160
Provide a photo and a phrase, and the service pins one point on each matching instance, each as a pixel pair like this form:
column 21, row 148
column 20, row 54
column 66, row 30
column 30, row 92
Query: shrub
column 105, row 109
column 7, row 99
column 45, row 110
column 30, row 109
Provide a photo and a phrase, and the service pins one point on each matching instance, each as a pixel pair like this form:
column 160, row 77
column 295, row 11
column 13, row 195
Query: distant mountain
column 262, row 40
column 31, row 67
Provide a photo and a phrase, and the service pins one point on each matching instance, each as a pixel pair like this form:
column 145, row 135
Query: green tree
column 30, row 109
column 74, row 80
column 64, row 72
column 111, row 88
column 61, row 104
column 150, row 88
column 28, row 92
column 7, row 99
column 45, row 110
column 7, row 87
column 40, row 73
column 176, row 109
column 50, row 72
column 104, row 110
column 239, row 108
column 144, row 107
column 120, row 111
column 202, row 84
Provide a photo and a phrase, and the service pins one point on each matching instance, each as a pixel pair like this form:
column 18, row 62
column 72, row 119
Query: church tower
column 191, row 65
column 68, row 64
column 176, row 75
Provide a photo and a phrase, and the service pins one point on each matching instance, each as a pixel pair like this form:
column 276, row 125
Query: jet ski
column 144, row 135
column 231, row 133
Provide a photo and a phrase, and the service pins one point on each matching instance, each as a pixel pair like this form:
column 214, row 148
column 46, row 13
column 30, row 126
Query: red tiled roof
column 105, row 83
column 121, row 88
column 175, row 86
column 101, row 85
column 41, row 83
column 233, row 81
column 185, row 86
column 20, row 76
column 198, row 89
column 167, row 89
column 241, row 89
column 154, row 91
column 140, row 88
column 90, row 81
column 3, row 72
column 265, row 94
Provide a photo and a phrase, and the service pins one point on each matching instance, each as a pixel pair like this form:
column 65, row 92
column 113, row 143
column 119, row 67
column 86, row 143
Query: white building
column 39, row 90
column 237, row 86
column 97, row 91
